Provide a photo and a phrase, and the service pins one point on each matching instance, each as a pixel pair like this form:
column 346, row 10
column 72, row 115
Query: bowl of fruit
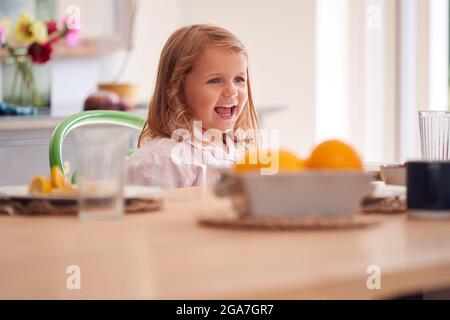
column 329, row 182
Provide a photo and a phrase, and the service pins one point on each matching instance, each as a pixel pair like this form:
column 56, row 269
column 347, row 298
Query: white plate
column 131, row 192
column 382, row 190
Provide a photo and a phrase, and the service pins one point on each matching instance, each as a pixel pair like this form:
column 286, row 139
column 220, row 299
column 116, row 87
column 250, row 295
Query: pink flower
column 2, row 35
column 40, row 53
column 72, row 26
column 72, row 37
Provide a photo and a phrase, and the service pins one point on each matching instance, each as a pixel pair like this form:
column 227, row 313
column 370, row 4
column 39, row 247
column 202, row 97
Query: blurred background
column 352, row 69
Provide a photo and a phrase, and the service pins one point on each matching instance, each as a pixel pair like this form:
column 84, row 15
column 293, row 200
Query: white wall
column 72, row 80
column 372, row 83
column 332, row 70
column 96, row 16
column 438, row 51
column 155, row 21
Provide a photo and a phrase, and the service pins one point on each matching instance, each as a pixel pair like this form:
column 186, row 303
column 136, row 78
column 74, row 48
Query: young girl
column 202, row 99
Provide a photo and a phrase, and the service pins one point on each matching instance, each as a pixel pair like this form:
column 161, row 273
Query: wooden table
column 168, row 255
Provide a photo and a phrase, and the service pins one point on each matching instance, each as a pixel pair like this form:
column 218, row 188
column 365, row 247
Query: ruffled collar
column 217, row 151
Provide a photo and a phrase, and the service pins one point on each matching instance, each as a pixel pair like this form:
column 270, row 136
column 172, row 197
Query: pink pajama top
column 165, row 163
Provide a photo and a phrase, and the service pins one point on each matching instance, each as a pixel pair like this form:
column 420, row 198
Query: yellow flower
column 39, row 30
column 28, row 31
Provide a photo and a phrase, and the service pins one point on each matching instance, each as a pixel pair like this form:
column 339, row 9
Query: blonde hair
column 167, row 110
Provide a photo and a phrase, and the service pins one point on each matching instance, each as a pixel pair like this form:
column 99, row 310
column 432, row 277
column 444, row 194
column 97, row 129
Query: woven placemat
column 233, row 221
column 390, row 205
column 62, row 208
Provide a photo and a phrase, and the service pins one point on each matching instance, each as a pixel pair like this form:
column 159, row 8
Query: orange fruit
column 301, row 164
column 40, row 185
column 255, row 159
column 56, row 185
column 57, row 177
column 334, row 154
column 59, row 181
column 66, row 191
column 289, row 161
column 250, row 161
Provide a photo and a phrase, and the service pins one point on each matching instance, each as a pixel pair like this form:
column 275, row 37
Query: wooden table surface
column 168, row 255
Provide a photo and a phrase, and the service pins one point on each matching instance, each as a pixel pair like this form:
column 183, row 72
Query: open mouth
column 225, row 112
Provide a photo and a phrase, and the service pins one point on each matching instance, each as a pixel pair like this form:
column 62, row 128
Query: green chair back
column 84, row 118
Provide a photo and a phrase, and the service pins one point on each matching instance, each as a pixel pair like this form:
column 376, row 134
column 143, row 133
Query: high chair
column 84, row 118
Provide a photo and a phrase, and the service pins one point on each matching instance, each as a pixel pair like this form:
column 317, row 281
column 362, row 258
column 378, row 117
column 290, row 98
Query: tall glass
column 434, row 135
column 101, row 172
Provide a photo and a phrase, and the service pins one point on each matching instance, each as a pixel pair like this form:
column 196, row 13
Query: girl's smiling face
column 215, row 91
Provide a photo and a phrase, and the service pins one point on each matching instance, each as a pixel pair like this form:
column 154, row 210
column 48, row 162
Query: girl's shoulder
column 164, row 152
column 161, row 145
column 153, row 164
column 155, row 152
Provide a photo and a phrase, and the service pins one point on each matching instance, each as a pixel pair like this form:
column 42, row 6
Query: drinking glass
column 434, row 134
column 101, row 172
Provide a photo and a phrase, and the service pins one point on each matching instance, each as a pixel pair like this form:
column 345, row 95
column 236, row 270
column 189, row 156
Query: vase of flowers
column 27, row 49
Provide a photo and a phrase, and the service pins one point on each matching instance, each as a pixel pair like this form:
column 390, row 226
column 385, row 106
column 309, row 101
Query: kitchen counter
column 28, row 122
column 17, row 123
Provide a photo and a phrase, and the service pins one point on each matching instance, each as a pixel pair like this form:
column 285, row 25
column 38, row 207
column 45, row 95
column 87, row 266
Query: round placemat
column 282, row 223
